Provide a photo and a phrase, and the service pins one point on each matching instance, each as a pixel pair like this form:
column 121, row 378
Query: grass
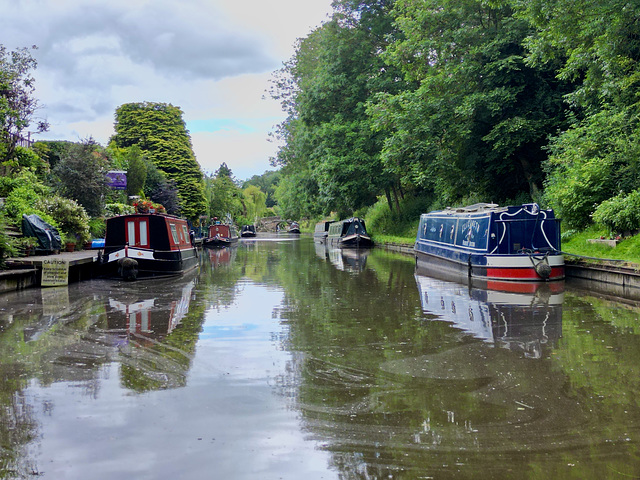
column 628, row 250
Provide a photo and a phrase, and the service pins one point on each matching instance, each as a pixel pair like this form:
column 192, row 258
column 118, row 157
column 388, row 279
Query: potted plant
column 26, row 245
column 69, row 242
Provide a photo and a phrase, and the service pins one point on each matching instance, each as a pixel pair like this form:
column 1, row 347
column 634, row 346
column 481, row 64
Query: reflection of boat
column 147, row 244
column 220, row 235
column 149, row 313
column 294, row 227
column 220, row 256
column 515, row 320
column 248, row 231
column 321, row 230
column 349, row 233
column 520, row 243
column 348, row 260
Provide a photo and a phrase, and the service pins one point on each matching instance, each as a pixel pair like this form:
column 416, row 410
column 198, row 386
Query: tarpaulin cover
column 48, row 237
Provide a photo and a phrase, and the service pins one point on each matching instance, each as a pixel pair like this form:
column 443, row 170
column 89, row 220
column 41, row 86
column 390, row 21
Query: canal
column 279, row 359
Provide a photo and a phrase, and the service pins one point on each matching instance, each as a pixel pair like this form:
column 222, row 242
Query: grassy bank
column 627, row 250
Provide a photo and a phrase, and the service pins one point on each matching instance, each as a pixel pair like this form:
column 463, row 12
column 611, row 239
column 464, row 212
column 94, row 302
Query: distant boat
column 294, row 227
column 321, row 230
column 220, row 235
column 147, row 245
column 349, row 233
column 515, row 243
column 248, row 231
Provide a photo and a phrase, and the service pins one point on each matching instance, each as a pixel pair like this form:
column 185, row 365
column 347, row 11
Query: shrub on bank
column 619, row 214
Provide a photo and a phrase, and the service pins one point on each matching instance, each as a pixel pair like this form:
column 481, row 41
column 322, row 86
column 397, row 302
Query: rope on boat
column 542, row 266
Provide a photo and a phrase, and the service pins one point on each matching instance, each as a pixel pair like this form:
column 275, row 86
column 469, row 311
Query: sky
column 212, row 58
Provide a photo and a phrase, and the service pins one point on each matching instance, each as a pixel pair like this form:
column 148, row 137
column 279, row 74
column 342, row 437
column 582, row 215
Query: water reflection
column 344, row 259
column 274, row 361
column 513, row 319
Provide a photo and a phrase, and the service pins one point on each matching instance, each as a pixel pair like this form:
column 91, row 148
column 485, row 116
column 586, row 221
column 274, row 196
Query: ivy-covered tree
column 160, row 132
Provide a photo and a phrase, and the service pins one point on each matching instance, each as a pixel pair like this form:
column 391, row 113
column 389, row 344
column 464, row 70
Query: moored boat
column 220, row 235
column 349, row 233
column 147, row 245
column 294, row 227
column 515, row 243
column 248, row 231
column 321, row 230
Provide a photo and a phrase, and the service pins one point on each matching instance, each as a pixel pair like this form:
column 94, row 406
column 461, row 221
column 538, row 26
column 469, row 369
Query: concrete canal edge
column 617, row 279
column 26, row 272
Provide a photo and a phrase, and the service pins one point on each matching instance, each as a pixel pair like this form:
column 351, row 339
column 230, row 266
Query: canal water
column 280, row 359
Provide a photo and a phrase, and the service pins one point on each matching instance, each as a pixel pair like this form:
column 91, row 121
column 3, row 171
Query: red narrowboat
column 147, row 245
column 220, row 235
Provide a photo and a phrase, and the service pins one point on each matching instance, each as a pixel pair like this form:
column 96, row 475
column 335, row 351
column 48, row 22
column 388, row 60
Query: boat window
column 143, row 233
column 185, row 233
column 131, row 233
column 137, row 233
column 174, row 233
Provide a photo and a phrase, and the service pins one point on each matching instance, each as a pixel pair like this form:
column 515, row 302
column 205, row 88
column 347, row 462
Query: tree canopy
column 459, row 101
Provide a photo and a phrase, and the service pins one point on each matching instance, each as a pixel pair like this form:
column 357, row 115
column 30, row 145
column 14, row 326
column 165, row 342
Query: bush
column 620, row 213
column 97, row 227
column 115, row 209
column 71, row 218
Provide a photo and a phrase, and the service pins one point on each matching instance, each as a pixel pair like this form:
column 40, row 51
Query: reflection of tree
column 392, row 395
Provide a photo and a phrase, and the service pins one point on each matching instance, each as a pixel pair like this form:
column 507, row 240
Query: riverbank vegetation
column 452, row 102
column 393, row 108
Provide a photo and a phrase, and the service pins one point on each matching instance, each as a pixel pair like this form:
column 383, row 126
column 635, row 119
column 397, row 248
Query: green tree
column 81, row 175
column 223, row 195
column 254, row 201
column 596, row 46
column 160, row 132
column 267, row 182
column 477, row 123
column 17, row 103
column 324, row 90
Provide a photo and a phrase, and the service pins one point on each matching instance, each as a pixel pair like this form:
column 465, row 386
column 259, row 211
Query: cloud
column 212, row 58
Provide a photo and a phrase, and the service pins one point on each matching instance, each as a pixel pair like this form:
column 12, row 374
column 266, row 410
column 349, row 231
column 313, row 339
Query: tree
column 81, row 175
column 596, row 46
column 17, row 104
column 478, row 121
column 267, row 182
column 324, row 89
column 160, row 133
column 160, row 189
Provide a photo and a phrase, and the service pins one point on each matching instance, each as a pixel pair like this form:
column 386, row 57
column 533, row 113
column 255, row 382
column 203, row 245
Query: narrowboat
column 294, row 227
column 248, row 231
column 349, row 233
column 514, row 243
column 147, row 245
column 220, row 235
column 321, row 230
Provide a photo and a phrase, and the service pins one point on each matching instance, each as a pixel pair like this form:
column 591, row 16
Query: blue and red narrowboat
column 147, row 245
column 515, row 243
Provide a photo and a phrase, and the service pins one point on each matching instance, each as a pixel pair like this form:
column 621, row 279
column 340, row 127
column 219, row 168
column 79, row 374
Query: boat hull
column 518, row 268
column 149, row 263
column 355, row 241
column 218, row 242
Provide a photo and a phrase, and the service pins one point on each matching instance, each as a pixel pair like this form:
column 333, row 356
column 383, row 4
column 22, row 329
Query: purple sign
column 117, row 179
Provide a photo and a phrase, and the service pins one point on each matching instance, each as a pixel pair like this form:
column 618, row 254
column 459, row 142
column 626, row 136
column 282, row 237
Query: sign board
column 117, row 179
column 55, row 272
